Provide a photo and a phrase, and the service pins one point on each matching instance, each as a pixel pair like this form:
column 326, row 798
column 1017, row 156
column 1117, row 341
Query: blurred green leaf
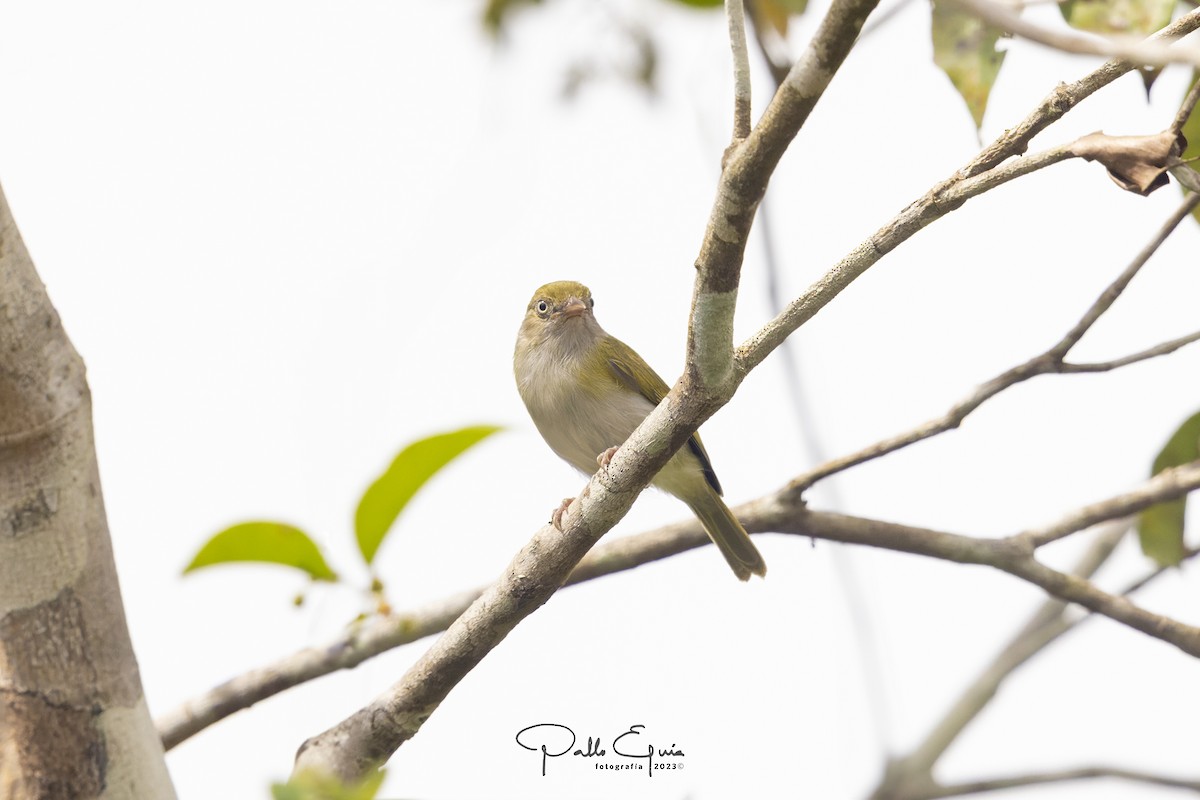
column 1160, row 526
column 1191, row 132
column 702, row 3
column 1160, row 530
column 775, row 13
column 309, row 786
column 496, row 13
column 384, row 499
column 1130, row 17
column 965, row 49
column 264, row 542
column 1121, row 17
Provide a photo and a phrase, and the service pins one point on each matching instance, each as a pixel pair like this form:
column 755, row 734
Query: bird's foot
column 556, row 516
column 606, row 457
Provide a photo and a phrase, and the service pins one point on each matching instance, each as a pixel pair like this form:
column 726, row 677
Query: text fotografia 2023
column 629, row 750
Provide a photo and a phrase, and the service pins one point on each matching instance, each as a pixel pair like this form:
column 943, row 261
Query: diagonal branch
column 1051, row 361
column 747, row 168
column 911, row 777
column 367, row 738
column 1162, row 349
column 1147, row 53
column 942, row 198
column 1045, row 625
column 1109, row 296
column 1012, row 554
column 1186, row 107
column 359, row 744
column 1168, row 484
column 773, row 512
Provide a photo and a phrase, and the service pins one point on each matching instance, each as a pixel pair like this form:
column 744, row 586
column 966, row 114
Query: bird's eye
column 542, row 306
column 591, row 302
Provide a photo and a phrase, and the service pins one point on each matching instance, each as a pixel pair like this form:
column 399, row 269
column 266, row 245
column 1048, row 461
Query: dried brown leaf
column 1136, row 163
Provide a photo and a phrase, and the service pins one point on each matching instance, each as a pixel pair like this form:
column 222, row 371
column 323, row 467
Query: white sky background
column 288, row 238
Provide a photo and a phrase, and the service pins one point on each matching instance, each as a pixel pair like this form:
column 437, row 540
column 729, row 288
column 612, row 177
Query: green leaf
column 264, row 542
column 1130, row 17
column 496, row 13
column 310, row 786
column 776, row 13
column 965, row 48
column 1191, row 132
column 384, row 499
column 1160, row 527
column 1135, row 18
column 702, row 3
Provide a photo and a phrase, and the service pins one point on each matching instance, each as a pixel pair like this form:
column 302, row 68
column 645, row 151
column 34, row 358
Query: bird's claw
column 606, row 457
column 556, row 516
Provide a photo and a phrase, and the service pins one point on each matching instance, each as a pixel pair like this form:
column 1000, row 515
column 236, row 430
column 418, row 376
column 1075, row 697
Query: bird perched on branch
column 587, row 391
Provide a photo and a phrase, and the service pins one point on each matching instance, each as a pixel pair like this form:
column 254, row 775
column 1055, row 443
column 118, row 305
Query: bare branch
column 1040, row 778
column 1166, row 485
column 1151, row 352
column 773, row 512
column 380, row 634
column 1065, row 97
column 1050, row 361
column 747, row 169
column 1114, row 289
column 368, row 737
column 936, row 203
column 1136, row 51
column 1045, row 625
column 1012, row 554
column 942, row 198
column 741, row 69
column 1186, row 107
column 911, row 777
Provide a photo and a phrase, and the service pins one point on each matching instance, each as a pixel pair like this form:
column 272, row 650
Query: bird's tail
column 728, row 535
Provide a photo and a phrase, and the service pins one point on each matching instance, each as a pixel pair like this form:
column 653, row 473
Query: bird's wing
column 634, row 373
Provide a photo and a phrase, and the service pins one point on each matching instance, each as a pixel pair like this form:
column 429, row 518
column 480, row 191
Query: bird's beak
column 574, row 308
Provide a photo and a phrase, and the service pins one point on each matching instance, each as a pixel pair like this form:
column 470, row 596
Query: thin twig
column 935, row 203
column 741, row 69
column 1186, row 107
column 1045, row 625
column 1168, row 484
column 1051, row 361
column 1114, row 290
column 709, row 376
column 911, row 777
column 1135, row 51
column 1042, row 778
column 774, row 51
column 1162, row 349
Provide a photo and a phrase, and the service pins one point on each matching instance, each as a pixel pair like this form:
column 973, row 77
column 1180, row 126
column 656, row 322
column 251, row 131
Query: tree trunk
column 73, row 720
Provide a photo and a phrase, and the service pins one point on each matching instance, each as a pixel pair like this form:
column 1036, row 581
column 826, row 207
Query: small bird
column 586, row 392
